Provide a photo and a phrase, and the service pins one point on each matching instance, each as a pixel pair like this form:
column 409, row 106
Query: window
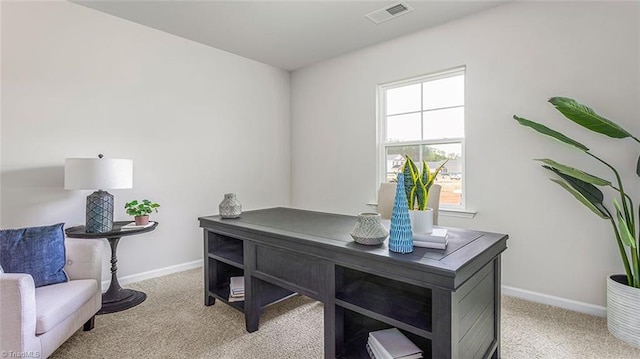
column 423, row 117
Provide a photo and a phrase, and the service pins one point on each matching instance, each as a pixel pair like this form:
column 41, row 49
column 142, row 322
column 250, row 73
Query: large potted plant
column 623, row 291
column 417, row 185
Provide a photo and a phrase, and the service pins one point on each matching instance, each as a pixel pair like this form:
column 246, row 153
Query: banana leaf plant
column 584, row 186
column 417, row 184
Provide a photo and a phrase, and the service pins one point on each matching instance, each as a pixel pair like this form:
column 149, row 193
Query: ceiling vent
column 389, row 12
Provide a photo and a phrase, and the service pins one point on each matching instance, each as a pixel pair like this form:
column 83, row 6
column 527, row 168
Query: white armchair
column 38, row 320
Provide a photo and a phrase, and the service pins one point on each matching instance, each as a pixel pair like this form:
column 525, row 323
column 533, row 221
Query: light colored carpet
column 174, row 323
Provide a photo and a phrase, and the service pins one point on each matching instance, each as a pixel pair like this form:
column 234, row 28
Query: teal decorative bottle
column 400, row 236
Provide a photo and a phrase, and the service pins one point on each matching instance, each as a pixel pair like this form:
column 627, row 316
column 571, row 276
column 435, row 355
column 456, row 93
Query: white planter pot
column 421, row 221
column 623, row 310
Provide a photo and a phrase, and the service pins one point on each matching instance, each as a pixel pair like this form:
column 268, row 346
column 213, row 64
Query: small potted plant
column 417, row 187
column 140, row 210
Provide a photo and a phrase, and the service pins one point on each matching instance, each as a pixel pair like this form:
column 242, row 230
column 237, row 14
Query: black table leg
column 116, row 298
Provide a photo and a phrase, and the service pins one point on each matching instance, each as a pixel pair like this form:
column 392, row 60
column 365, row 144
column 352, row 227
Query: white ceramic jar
column 369, row 230
column 230, row 207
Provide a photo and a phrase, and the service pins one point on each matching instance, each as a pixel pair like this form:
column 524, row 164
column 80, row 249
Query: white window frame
column 381, row 119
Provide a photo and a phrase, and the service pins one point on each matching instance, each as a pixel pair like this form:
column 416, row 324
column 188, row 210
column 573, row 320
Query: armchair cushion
column 38, row 251
column 56, row 302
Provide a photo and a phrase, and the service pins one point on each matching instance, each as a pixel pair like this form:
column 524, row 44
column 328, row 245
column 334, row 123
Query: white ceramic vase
column 421, row 221
column 623, row 310
column 230, row 207
column 368, row 229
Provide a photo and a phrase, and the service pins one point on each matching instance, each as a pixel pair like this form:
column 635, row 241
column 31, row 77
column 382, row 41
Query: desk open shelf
column 356, row 333
column 224, row 258
column 225, row 249
column 399, row 304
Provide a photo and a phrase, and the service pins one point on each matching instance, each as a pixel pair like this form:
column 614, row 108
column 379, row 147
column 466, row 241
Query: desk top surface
column 333, row 231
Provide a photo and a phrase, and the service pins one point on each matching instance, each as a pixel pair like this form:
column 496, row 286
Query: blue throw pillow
column 38, row 251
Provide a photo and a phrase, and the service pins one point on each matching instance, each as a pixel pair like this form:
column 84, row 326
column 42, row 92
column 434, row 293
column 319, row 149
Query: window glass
column 403, row 99
column 450, row 176
column 395, row 160
column 447, row 123
column 404, row 127
column 423, row 118
column 446, row 92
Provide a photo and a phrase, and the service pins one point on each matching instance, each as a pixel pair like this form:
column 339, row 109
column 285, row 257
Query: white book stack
column 236, row 289
column 438, row 238
column 391, row 344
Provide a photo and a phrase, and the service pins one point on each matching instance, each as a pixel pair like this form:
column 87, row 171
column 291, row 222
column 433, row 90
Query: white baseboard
column 569, row 304
column 153, row 273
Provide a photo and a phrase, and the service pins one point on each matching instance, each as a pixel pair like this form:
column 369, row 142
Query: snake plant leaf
column 623, row 227
column 411, row 178
column 551, row 133
column 421, row 195
column 638, row 167
column 587, row 118
column 582, row 199
column 421, row 190
column 433, row 176
column 575, row 173
column 589, row 191
column 426, row 173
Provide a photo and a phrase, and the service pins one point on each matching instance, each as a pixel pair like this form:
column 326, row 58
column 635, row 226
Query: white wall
column 517, row 56
column 197, row 122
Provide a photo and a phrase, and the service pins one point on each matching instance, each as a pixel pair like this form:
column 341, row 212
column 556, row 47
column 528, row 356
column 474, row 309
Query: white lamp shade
column 98, row 173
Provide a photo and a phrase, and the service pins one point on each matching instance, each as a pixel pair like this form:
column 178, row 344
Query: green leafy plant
column 417, row 184
column 582, row 185
column 141, row 208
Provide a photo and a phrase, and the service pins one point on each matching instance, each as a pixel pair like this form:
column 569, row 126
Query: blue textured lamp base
column 99, row 212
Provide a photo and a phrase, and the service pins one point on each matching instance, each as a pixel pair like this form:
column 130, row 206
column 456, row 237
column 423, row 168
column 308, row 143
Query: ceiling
column 286, row 34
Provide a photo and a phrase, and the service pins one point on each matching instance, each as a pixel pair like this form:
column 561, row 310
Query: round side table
column 116, row 298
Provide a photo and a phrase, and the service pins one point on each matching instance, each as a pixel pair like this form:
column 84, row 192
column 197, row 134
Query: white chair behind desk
column 387, row 195
column 434, row 201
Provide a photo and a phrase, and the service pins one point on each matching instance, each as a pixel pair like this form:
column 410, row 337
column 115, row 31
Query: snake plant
column 417, row 184
column 582, row 185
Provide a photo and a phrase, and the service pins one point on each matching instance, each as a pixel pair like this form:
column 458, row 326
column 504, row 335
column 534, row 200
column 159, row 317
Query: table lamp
column 98, row 174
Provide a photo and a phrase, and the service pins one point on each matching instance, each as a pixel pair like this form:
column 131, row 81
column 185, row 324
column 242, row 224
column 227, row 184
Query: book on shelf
column 392, row 344
column 374, row 350
column 377, row 349
column 236, row 285
column 236, row 289
column 133, row 225
column 370, row 352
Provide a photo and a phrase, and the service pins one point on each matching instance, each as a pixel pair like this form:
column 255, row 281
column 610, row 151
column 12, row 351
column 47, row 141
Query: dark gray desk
column 446, row 301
